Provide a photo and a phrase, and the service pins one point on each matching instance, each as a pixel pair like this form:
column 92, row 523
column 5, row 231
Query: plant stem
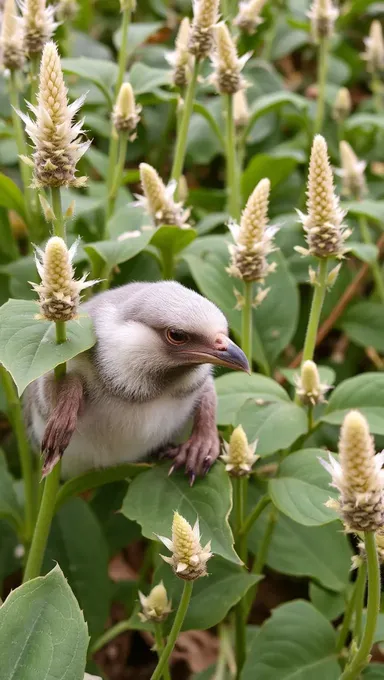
column 261, row 557
column 34, row 65
column 246, row 335
column 122, row 62
column 17, row 420
column 359, row 602
column 375, row 267
column 377, row 91
column 175, row 630
column 159, row 639
column 254, row 515
column 321, row 83
column 346, row 625
column 361, row 658
column 182, row 135
column 22, row 149
column 316, row 307
column 112, row 195
column 110, row 635
column 233, row 192
column 52, row 482
column 239, row 485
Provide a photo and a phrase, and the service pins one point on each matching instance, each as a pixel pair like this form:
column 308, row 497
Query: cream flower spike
column 66, row 10
column 374, row 48
column 351, row 172
column 342, row 106
column 308, row 386
column 57, row 142
column 205, row 17
column 158, row 199
column 248, row 17
column 241, row 113
column 59, row 292
column 181, row 59
column 322, row 14
column 228, row 66
column 239, row 456
column 156, row 606
column 253, row 238
column 358, row 476
column 126, row 114
column 189, row 559
column 323, row 225
column 38, row 24
column 12, row 54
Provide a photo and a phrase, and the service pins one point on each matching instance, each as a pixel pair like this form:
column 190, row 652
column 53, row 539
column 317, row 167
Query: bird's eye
column 177, row 337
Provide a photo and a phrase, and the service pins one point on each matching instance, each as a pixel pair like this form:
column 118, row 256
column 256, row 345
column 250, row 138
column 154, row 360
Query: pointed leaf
column 9, row 505
column 364, row 392
column 234, row 389
column 276, row 426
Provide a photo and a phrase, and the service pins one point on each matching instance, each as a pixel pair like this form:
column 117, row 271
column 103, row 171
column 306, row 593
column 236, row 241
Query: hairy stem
column 316, row 307
column 346, row 625
column 362, row 656
column 233, row 190
column 159, row 639
column 182, row 134
column 322, row 70
column 175, row 630
column 254, row 515
column 359, row 602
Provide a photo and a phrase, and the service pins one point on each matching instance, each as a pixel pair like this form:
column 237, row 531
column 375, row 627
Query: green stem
column 182, row 135
column 112, row 196
column 110, row 635
column 375, row 267
column 316, row 307
column 17, row 420
column 254, row 515
column 58, row 223
column 34, row 65
column 175, row 630
column 22, row 149
column 261, row 557
column 239, row 485
column 159, row 639
column 362, row 656
column 346, row 625
column 321, row 83
column 377, row 91
column 233, row 191
column 247, row 322
column 359, row 602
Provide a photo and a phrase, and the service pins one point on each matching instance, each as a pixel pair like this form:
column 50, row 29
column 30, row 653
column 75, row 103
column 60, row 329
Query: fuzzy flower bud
column 189, row 559
column 11, row 38
column 38, row 24
column 239, row 456
column 358, row 476
column 352, row 172
column 66, row 10
column 248, row 17
column 322, row 15
column 325, row 231
column 228, row 66
column 253, row 238
column 308, row 386
column 205, row 16
column 59, row 292
column 158, row 199
column 342, row 106
column 374, row 48
column 126, row 115
column 241, row 115
column 181, row 59
column 58, row 146
column 156, row 606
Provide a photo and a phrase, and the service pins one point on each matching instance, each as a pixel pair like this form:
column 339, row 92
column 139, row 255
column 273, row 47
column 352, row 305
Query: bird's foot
column 197, row 454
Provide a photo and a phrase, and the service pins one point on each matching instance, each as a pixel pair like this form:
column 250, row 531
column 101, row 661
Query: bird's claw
column 192, row 478
column 197, row 455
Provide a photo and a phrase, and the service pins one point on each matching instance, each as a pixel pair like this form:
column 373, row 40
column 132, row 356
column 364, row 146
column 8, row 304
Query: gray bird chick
column 135, row 390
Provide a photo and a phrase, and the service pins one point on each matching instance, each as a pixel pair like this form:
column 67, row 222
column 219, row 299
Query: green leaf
column 330, row 604
column 77, row 543
column 364, row 120
column 28, row 346
column 263, row 165
column 127, row 218
column 11, row 197
column 172, row 240
column 270, row 102
column 138, row 33
column 9, row 563
column 101, row 72
column 375, row 671
column 373, row 210
column 111, row 253
column 364, row 392
column 303, row 487
column 366, row 252
column 306, row 644
column 213, row 596
column 275, row 426
column 363, row 323
column 234, row 389
column 305, row 551
column 211, row 120
column 42, row 631
column 153, row 497
column 9, row 505
column 145, row 78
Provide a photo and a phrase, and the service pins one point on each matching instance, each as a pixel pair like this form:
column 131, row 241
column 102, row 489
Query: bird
column 131, row 395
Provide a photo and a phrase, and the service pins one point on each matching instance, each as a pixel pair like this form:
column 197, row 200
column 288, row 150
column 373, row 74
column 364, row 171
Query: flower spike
column 189, row 559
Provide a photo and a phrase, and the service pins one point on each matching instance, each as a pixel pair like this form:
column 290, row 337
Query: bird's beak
column 223, row 353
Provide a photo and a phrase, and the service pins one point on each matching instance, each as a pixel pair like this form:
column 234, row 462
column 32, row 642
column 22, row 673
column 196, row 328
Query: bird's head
column 153, row 334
